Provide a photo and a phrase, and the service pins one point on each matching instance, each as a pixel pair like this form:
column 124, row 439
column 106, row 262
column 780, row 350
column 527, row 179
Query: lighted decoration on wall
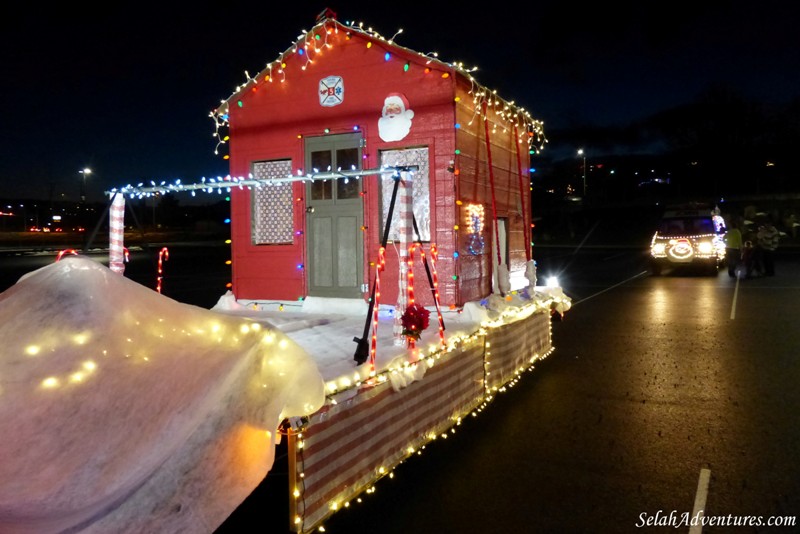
column 331, row 91
column 395, row 121
column 475, row 223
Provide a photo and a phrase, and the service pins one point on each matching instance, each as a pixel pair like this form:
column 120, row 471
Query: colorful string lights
column 335, row 33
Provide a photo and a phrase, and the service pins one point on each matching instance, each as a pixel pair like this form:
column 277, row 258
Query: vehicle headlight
column 658, row 248
column 705, row 247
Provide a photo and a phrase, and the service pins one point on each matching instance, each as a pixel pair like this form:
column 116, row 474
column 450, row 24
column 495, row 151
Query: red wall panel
column 270, row 118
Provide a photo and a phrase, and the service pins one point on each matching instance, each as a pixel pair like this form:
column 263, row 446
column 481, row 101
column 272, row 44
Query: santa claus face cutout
column 395, row 121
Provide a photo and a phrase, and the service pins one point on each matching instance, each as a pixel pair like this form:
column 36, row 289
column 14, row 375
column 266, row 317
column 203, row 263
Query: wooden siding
column 270, row 120
column 475, row 186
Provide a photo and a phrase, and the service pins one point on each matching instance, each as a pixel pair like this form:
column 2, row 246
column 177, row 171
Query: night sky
column 126, row 88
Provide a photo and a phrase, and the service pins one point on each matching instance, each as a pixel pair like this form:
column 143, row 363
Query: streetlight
column 582, row 153
column 84, row 172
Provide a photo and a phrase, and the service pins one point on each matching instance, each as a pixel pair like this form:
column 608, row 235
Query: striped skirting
column 514, row 347
column 346, row 447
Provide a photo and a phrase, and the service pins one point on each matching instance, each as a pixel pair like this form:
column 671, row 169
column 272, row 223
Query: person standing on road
column 733, row 248
column 748, row 258
column 768, row 237
column 751, row 252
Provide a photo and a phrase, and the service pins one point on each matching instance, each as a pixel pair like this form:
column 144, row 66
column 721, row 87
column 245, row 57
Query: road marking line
column 735, row 295
column 700, row 499
column 585, row 238
column 610, row 288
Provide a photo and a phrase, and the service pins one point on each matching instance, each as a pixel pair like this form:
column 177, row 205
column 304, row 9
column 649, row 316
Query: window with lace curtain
column 272, row 222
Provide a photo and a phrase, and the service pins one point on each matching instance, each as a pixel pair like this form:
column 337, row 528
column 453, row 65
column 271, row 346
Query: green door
column 334, row 217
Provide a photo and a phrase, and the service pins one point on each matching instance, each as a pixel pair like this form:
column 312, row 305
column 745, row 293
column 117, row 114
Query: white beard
column 394, row 127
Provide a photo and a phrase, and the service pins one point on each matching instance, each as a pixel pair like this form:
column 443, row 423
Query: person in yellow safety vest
column 733, row 247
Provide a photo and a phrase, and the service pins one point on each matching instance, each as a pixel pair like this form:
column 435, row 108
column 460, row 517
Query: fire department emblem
column 331, row 91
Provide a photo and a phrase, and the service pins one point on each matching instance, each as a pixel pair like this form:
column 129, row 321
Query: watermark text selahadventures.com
column 685, row 519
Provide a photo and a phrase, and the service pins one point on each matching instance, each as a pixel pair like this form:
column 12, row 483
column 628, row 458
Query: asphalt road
column 663, row 393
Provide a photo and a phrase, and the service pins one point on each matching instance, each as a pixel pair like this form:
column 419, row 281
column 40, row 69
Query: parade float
column 380, row 228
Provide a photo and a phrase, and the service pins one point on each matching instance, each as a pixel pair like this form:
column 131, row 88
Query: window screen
column 421, row 189
column 272, row 204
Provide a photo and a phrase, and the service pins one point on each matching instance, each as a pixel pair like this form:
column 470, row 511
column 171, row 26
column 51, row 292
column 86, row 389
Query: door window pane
column 346, row 160
column 321, row 162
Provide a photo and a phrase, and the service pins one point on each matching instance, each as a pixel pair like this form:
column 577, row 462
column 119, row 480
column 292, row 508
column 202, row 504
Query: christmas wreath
column 415, row 319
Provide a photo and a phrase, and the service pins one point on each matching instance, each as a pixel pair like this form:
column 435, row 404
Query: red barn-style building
column 343, row 101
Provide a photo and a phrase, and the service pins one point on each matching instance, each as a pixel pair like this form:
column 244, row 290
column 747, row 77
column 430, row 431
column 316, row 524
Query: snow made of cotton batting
column 123, row 410
column 326, row 328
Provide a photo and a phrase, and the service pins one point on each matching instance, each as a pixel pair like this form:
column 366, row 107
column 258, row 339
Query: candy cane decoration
column 116, row 229
column 378, row 268
column 404, row 230
column 526, row 227
column 434, row 259
column 68, row 251
column 502, row 274
column 410, row 288
column 412, row 344
column 163, row 254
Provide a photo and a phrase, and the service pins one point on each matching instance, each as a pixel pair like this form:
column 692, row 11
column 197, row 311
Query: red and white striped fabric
column 348, row 446
column 514, row 347
column 116, row 229
column 404, row 214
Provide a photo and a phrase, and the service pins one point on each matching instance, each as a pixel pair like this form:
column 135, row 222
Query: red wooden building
column 342, row 101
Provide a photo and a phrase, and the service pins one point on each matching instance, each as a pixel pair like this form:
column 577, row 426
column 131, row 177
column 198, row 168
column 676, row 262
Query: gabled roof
column 311, row 43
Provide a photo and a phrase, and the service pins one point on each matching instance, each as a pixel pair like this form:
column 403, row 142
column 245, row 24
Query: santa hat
column 396, row 98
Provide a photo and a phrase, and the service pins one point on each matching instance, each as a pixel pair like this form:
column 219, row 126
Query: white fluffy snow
column 125, row 411
column 122, row 409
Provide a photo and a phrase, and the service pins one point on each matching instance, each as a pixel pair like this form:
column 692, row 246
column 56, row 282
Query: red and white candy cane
column 116, row 234
column 412, row 344
column 381, row 265
column 434, row 259
column 404, row 230
column 163, row 254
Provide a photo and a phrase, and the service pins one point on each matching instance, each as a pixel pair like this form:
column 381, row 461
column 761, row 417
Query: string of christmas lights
column 329, row 32
column 381, row 265
column 419, row 445
column 224, row 184
column 434, row 260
